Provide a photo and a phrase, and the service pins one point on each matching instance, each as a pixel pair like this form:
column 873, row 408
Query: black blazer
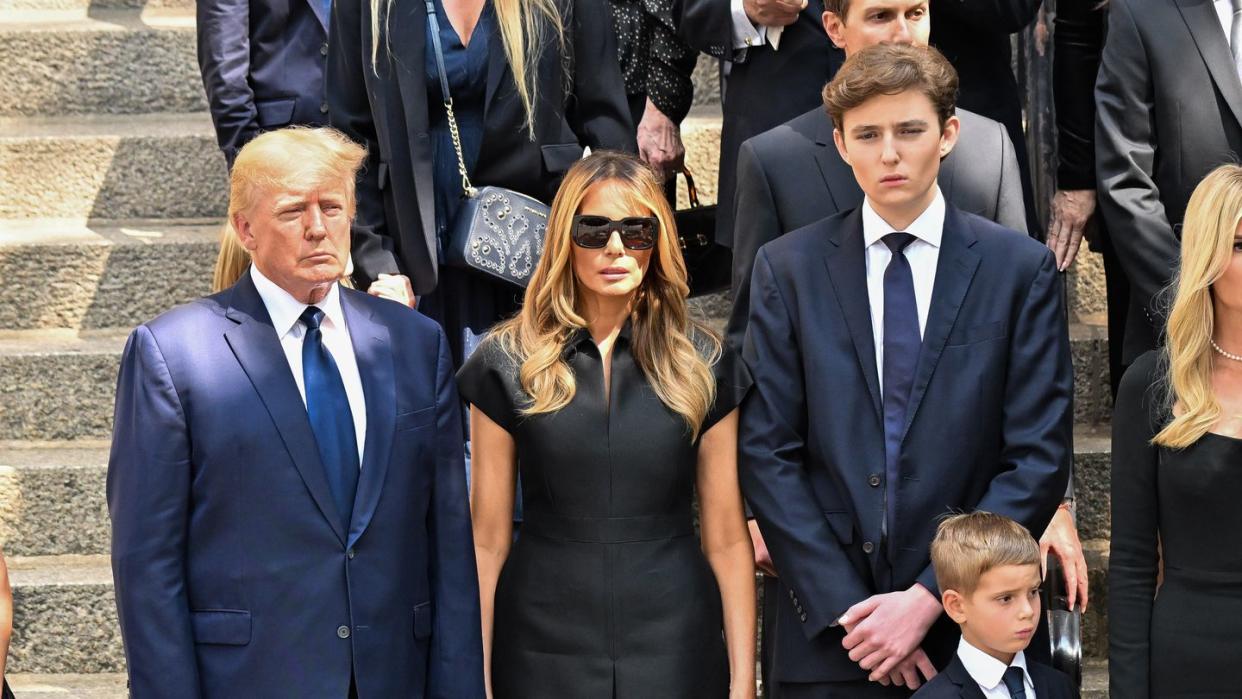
column 395, row 227
column 792, row 175
column 1169, row 110
column 954, row 682
column 262, row 64
column 989, row 420
column 765, row 88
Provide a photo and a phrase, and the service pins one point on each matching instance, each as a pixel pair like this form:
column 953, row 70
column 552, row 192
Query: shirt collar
column 928, row 227
column 986, row 670
column 285, row 310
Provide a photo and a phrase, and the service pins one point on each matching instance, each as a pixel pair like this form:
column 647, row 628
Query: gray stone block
column 111, row 168
column 1093, row 400
column 99, row 61
column 111, row 685
column 58, row 384
column 64, row 616
column 1092, row 476
column 706, row 80
column 1095, row 621
column 65, row 274
column 52, row 498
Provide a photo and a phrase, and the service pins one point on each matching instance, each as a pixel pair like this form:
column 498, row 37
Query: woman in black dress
column 616, row 408
column 1177, row 475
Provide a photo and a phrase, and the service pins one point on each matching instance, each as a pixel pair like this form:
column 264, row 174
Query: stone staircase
column 112, row 192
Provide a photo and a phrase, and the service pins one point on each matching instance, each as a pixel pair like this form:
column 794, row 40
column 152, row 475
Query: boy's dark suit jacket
column 955, row 683
column 988, row 424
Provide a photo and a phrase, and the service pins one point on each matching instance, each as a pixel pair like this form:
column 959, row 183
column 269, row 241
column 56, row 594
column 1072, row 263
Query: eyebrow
column 901, row 124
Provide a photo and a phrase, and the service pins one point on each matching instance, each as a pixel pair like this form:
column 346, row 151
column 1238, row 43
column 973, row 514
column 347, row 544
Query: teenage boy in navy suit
column 987, row 567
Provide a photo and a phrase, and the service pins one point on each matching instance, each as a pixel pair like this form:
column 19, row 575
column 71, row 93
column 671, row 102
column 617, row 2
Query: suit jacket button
column 792, row 595
column 868, row 547
column 342, row 631
column 873, row 480
column 323, row 108
column 802, row 617
column 323, row 50
column 350, row 554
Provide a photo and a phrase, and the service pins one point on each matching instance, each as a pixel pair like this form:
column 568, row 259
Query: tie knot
column 1015, row 682
column 897, row 242
column 312, row 316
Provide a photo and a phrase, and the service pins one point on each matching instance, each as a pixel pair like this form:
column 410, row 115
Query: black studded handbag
column 709, row 265
column 497, row 231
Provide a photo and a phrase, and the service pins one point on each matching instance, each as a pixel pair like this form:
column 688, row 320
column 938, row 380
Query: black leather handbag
column 497, row 231
column 708, row 264
column 1064, row 623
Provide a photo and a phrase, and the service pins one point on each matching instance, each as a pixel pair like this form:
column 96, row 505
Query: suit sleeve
column 148, row 493
column 706, row 26
column 349, row 110
column 598, row 112
column 1010, row 202
column 1125, row 159
column 1077, row 38
column 456, row 658
column 1037, row 420
column 755, row 223
column 771, row 455
column 1008, row 16
column 224, row 60
column 1134, row 549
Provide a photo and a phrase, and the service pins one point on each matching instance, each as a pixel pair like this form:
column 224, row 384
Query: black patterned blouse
column 654, row 61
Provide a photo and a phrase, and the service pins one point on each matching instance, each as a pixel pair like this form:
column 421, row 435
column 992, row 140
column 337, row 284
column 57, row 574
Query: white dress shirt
column 285, row 312
column 746, row 34
column 988, row 672
column 923, row 255
column 1224, row 13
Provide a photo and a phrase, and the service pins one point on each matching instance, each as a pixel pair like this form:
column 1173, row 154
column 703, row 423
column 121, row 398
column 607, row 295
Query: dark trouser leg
column 767, row 636
column 1117, row 290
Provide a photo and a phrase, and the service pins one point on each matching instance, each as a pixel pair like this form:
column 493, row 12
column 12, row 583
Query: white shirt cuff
column 745, row 34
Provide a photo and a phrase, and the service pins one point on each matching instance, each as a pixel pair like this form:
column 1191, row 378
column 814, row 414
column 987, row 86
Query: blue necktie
column 330, row 416
column 1015, row 683
column 901, row 354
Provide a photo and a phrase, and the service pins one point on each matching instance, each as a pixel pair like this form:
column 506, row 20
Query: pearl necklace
column 1223, row 353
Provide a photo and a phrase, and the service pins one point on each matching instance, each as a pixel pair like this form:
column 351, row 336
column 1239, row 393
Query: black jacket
column 955, row 683
column 385, row 109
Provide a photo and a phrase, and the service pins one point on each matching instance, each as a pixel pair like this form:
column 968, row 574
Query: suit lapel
column 258, row 350
column 375, row 366
column 847, row 269
column 966, row 686
column 320, row 11
column 954, row 271
column 1213, row 45
column 833, row 169
column 409, row 21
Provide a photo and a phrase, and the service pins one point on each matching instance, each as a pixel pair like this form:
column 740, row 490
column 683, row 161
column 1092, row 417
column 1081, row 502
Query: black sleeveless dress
column 606, row 592
column 1185, row 638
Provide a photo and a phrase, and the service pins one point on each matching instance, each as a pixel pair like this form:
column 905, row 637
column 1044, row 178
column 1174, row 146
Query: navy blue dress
column 465, row 303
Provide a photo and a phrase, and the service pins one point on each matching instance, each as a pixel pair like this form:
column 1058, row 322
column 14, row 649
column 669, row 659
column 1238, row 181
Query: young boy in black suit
column 987, row 568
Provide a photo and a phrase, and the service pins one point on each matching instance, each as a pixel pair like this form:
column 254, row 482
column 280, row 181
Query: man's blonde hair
column 968, row 545
column 296, row 156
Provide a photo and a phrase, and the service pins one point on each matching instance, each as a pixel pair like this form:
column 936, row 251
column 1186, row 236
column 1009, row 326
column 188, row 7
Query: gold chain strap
column 466, row 187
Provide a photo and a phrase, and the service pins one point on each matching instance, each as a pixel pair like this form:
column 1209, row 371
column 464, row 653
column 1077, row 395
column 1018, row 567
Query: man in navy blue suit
column 909, row 358
column 263, row 65
column 286, row 484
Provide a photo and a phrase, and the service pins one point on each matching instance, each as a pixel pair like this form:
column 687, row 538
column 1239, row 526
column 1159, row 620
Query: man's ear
column 954, row 605
column 839, row 140
column 834, row 24
column 245, row 234
column 948, row 135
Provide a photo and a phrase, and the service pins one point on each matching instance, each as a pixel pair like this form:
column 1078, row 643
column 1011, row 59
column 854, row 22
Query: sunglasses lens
column 591, row 231
column 638, row 233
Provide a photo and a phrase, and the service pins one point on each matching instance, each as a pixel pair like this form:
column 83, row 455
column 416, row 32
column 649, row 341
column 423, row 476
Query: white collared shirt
column 285, row 312
column 746, row 34
column 923, row 255
column 1224, row 13
column 988, row 672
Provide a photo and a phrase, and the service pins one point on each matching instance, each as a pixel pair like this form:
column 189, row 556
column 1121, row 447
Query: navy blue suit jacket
column 988, row 426
column 956, row 683
column 233, row 571
column 263, row 65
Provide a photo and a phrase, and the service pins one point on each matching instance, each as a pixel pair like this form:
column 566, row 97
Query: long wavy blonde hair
column 525, row 27
column 1212, row 218
column 664, row 334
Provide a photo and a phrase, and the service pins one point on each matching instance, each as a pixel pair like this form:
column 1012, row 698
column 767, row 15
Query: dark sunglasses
column 637, row 232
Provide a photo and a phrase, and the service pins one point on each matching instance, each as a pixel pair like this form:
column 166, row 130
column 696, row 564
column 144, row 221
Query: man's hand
column 1070, row 211
column 394, row 287
column 773, row 13
column 1061, row 537
column 763, row 561
column 906, row 674
column 884, row 629
column 659, row 141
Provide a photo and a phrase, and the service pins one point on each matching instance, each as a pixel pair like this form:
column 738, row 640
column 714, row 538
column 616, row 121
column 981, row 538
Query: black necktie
column 327, row 405
column 901, row 353
column 1015, row 682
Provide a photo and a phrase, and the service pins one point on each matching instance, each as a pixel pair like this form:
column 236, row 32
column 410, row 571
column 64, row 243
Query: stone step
column 99, row 61
column 76, row 274
column 64, row 616
column 1093, row 401
column 52, row 498
column 111, row 167
column 104, row 685
column 1095, row 620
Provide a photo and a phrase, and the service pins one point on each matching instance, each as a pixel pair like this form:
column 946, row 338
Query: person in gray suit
column 1169, row 110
